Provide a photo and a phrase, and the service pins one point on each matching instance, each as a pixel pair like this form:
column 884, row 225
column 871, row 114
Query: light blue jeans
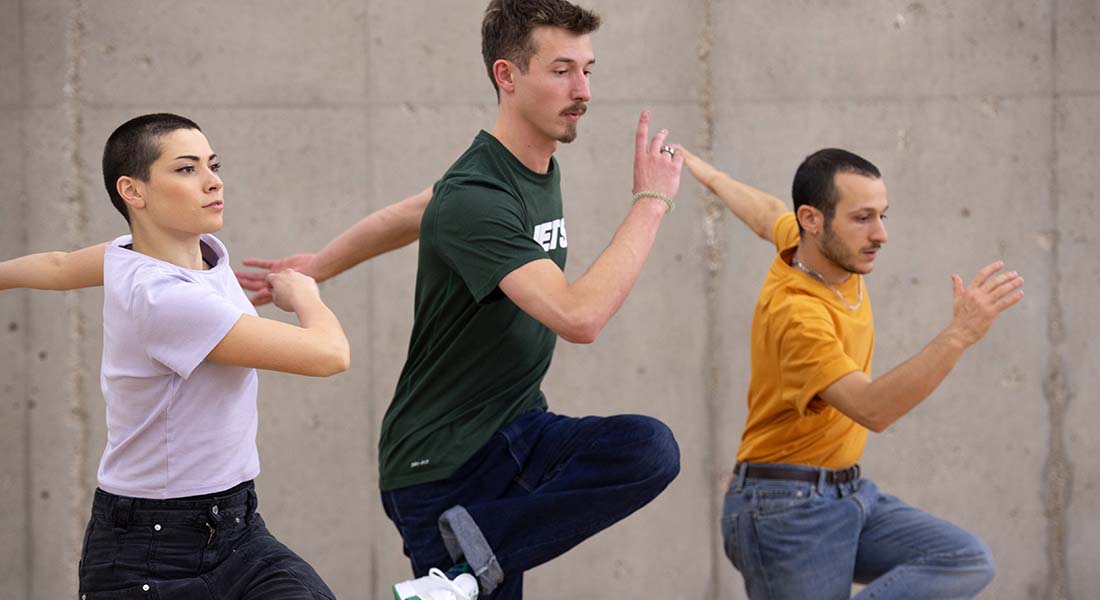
column 798, row 540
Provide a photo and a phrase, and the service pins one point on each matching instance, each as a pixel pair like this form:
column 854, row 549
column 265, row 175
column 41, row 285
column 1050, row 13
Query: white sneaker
column 436, row 586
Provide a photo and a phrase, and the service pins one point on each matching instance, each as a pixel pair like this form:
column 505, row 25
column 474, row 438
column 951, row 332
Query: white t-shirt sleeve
column 180, row 320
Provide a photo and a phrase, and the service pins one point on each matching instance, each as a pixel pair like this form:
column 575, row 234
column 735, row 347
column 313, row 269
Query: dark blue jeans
column 214, row 547
column 540, row 486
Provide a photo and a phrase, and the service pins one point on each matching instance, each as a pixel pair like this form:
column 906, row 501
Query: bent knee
column 972, row 563
column 655, row 451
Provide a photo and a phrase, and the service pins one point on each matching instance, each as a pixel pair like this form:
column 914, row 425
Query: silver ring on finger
column 671, row 151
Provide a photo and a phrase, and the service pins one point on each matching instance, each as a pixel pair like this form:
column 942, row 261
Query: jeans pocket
column 730, row 540
column 180, row 549
column 778, row 498
column 100, row 545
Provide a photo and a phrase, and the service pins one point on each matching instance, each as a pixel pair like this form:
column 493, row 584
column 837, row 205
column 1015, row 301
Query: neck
column 812, row 258
column 532, row 147
column 177, row 248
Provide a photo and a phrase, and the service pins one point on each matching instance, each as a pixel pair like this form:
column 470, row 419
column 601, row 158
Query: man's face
column 857, row 230
column 553, row 93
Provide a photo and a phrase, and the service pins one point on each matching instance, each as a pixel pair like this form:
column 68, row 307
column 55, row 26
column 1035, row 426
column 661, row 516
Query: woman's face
column 184, row 192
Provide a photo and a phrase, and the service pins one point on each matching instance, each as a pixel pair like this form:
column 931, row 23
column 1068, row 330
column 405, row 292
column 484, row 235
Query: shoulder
column 471, row 197
column 785, row 232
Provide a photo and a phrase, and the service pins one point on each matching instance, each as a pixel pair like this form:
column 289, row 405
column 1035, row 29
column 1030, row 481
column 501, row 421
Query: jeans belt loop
column 250, row 505
column 822, row 479
column 739, row 476
column 123, row 511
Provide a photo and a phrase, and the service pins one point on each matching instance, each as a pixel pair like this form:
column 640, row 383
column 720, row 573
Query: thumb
column 957, row 285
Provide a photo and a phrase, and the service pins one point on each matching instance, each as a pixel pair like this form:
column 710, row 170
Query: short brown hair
column 506, row 28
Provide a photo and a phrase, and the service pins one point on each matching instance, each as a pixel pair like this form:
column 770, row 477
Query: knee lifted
column 664, row 451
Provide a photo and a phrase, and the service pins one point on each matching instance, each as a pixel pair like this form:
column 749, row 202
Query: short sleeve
column 785, row 232
column 811, row 355
column 180, row 320
column 480, row 232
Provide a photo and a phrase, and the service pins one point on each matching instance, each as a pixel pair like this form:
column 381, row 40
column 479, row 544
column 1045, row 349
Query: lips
column 574, row 112
column 216, row 205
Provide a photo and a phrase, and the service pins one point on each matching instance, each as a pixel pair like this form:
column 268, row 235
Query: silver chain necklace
column 818, row 276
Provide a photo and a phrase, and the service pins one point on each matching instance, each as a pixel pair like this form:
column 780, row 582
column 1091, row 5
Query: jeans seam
column 399, row 522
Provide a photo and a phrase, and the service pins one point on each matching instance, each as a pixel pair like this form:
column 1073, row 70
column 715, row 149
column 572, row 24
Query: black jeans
column 214, row 547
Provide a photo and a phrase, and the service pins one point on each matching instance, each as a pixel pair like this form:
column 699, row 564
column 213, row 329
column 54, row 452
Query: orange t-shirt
column 804, row 339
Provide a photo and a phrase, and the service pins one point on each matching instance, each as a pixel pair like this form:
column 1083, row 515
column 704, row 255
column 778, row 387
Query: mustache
column 579, row 108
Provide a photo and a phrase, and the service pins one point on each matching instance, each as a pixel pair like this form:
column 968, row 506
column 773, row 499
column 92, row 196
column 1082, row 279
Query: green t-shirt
column 475, row 360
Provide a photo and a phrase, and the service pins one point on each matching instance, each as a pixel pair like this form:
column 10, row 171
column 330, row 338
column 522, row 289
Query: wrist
column 956, row 338
column 654, row 198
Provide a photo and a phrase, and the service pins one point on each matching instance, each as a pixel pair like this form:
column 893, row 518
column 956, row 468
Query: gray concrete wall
column 983, row 116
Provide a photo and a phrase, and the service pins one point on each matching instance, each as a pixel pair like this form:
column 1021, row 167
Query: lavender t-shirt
column 177, row 424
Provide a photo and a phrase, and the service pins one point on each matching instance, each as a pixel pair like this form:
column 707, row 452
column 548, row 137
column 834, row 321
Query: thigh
column 262, row 567
column 896, row 533
column 789, row 541
column 594, row 451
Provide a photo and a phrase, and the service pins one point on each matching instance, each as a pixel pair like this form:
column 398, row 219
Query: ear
column 810, row 219
column 132, row 191
column 504, row 74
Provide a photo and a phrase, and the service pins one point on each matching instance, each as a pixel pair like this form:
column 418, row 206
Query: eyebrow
column 195, row 158
column 571, row 61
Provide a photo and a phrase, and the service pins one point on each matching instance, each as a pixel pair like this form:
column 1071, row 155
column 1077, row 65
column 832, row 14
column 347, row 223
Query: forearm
column 598, row 294
column 54, row 270
column 756, row 208
column 895, row 393
column 323, row 338
column 386, row 229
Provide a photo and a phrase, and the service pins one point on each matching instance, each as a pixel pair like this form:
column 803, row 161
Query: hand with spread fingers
column 657, row 165
column 990, row 293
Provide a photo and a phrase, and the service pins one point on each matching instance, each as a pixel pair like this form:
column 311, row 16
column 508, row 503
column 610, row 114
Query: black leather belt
column 777, row 472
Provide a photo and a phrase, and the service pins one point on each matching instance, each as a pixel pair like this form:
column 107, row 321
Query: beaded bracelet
column 668, row 201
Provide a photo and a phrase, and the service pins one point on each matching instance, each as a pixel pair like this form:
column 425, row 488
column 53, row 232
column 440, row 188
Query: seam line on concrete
column 76, row 230
column 25, row 309
column 1058, row 472
column 712, row 289
column 372, row 520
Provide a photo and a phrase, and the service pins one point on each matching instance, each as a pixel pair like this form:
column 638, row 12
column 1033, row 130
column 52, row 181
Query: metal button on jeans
column 214, row 509
column 145, row 588
column 156, row 527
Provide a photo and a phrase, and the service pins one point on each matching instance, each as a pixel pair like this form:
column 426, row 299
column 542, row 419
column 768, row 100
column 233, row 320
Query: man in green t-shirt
column 480, row 480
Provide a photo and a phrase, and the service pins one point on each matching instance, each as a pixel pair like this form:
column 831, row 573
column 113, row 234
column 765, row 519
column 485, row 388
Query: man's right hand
column 257, row 281
column 976, row 306
column 654, row 170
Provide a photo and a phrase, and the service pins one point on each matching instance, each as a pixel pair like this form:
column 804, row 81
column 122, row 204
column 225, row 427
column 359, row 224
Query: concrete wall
column 983, row 116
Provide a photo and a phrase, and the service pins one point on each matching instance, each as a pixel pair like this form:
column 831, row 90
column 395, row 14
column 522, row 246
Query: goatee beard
column 569, row 135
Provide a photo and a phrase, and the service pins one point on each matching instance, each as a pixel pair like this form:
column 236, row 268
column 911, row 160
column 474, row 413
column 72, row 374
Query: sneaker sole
column 398, row 594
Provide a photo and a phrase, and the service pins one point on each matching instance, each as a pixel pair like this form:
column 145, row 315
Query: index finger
column 261, row 263
column 984, row 274
column 643, row 134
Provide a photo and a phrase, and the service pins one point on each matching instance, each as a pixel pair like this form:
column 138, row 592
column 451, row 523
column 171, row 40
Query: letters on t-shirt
column 551, row 235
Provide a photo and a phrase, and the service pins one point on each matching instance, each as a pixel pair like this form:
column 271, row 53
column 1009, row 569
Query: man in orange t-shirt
column 799, row 521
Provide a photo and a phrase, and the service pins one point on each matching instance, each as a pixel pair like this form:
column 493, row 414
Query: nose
column 878, row 232
column 214, row 183
column 581, row 91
